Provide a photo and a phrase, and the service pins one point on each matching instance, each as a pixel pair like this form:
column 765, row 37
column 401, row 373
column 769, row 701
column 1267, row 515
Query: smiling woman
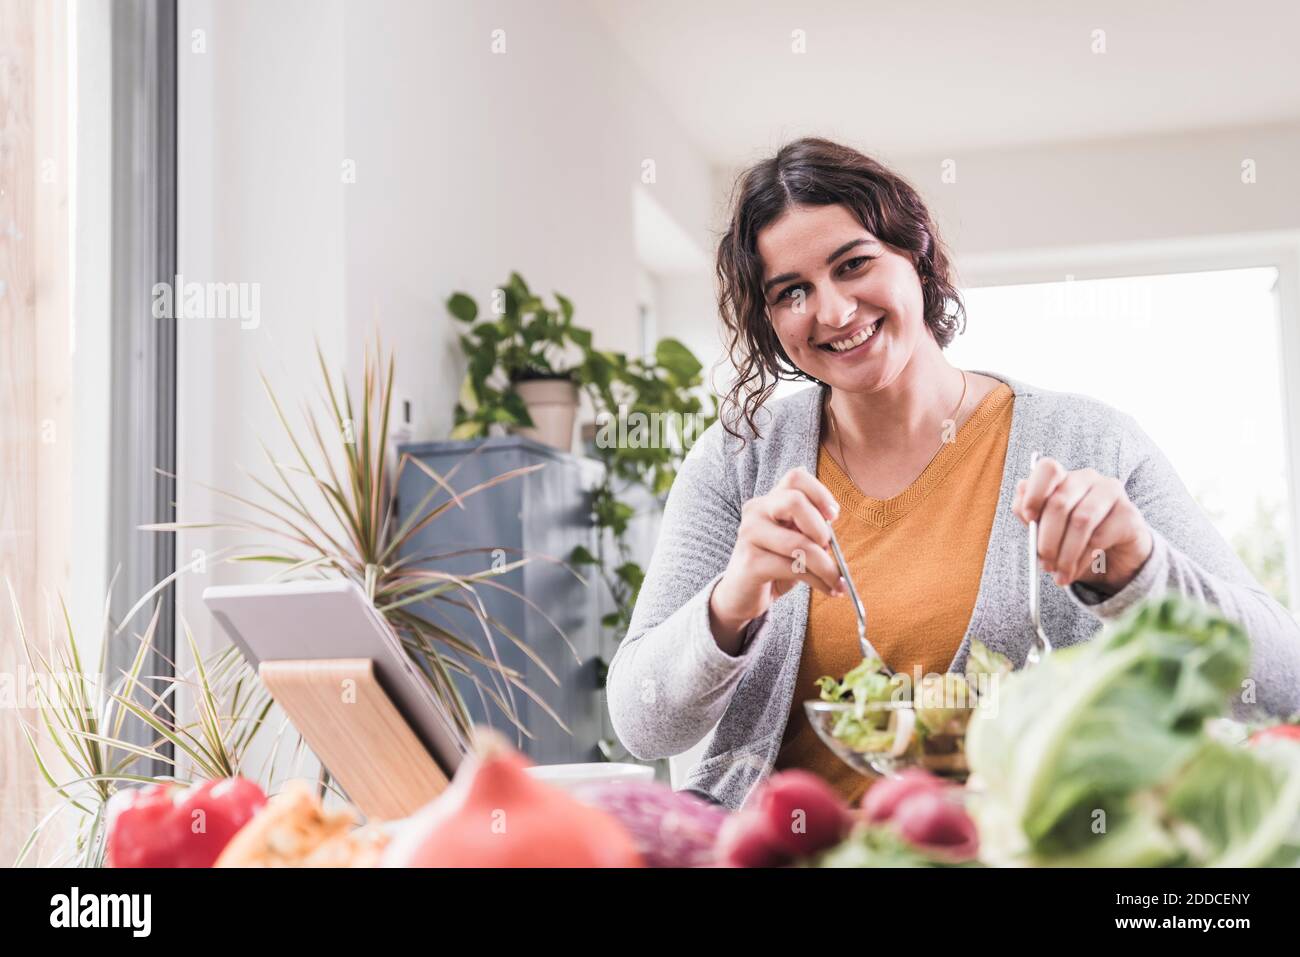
column 831, row 270
column 781, row 275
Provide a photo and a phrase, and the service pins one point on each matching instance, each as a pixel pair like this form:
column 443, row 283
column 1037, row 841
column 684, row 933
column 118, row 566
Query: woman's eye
column 848, row 266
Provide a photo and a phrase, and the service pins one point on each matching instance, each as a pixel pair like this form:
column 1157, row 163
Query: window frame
column 142, row 457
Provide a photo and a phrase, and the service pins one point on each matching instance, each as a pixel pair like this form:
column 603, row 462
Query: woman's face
column 847, row 308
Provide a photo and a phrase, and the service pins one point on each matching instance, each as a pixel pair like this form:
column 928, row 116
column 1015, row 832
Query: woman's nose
column 835, row 310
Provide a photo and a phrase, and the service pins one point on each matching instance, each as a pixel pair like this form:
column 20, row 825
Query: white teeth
column 855, row 340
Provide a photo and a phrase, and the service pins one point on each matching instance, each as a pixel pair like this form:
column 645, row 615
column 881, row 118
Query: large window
column 1194, row 357
column 86, row 385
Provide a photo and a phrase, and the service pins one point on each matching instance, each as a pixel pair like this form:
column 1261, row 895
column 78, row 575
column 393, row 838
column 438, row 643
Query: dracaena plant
column 79, row 740
column 331, row 512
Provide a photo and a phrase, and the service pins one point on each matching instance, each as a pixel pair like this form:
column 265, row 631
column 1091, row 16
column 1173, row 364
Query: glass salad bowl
column 881, row 723
column 886, row 737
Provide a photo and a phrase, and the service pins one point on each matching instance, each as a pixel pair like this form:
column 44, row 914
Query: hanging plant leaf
column 631, row 573
column 566, row 309
column 679, row 361
column 469, row 400
column 462, row 307
column 538, row 329
column 469, row 430
column 517, row 281
column 513, row 410
column 614, row 515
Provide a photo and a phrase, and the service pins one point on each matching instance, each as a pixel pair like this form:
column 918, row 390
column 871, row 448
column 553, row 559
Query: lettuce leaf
column 1075, row 752
column 1240, row 807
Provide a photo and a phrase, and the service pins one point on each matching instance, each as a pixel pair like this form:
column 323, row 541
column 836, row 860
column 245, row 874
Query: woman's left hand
column 1088, row 530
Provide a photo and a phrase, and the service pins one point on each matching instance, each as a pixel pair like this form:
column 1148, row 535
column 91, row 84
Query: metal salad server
column 858, row 608
column 1040, row 648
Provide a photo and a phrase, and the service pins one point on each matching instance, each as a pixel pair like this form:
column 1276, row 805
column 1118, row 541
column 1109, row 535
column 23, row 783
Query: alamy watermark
column 28, row 690
column 209, row 300
column 74, row 909
column 648, row 430
column 946, row 690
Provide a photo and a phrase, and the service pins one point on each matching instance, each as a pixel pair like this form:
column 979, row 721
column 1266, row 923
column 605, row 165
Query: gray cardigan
column 669, row 683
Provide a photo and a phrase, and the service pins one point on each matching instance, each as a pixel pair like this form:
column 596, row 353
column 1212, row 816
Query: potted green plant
column 626, row 392
column 523, row 348
column 631, row 398
column 518, row 375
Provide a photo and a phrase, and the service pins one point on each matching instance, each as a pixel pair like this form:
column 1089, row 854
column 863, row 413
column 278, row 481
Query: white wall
column 468, row 165
column 1109, row 192
column 472, row 163
column 1117, row 192
column 260, row 131
column 688, row 311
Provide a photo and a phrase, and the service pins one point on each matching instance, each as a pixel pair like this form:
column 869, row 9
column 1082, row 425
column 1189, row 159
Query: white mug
column 570, row 776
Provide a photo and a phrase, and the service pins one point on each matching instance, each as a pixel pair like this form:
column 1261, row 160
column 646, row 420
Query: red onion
column 670, row 828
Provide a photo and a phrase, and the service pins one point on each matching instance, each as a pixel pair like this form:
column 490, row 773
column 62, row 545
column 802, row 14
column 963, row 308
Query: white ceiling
column 937, row 76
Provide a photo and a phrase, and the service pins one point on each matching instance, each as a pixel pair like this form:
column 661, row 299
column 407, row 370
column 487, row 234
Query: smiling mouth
column 852, row 342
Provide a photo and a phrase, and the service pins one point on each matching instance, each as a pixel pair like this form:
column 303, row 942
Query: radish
column 934, row 822
column 795, row 814
column 746, row 840
column 883, row 797
column 805, row 814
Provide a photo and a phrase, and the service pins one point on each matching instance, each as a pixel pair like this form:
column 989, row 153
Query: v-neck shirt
column 917, row 559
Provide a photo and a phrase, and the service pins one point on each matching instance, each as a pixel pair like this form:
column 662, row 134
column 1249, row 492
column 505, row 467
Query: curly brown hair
column 816, row 172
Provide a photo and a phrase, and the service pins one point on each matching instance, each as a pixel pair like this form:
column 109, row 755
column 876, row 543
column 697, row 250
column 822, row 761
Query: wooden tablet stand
column 348, row 721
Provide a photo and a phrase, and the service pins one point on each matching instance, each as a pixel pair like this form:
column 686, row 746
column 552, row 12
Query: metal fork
column 1040, row 648
column 858, row 608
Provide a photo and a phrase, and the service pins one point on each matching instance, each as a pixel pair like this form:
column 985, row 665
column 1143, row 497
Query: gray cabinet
column 542, row 516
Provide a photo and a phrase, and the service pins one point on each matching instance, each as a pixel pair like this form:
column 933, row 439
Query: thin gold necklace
column 839, row 437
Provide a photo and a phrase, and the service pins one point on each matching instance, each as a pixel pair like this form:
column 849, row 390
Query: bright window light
column 1194, row 357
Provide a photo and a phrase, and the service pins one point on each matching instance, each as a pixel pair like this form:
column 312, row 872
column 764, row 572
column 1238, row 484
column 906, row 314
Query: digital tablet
column 332, row 619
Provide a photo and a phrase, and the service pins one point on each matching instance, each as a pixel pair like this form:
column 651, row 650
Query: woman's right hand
column 784, row 539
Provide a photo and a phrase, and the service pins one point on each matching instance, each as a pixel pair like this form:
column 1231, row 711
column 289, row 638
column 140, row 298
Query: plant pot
column 553, row 406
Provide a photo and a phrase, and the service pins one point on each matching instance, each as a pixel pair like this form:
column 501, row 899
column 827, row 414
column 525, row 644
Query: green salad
column 897, row 715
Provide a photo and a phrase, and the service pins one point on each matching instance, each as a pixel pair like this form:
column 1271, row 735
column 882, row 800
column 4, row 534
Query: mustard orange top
column 916, row 560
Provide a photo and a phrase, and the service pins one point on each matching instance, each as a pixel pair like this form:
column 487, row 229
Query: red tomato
column 169, row 825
